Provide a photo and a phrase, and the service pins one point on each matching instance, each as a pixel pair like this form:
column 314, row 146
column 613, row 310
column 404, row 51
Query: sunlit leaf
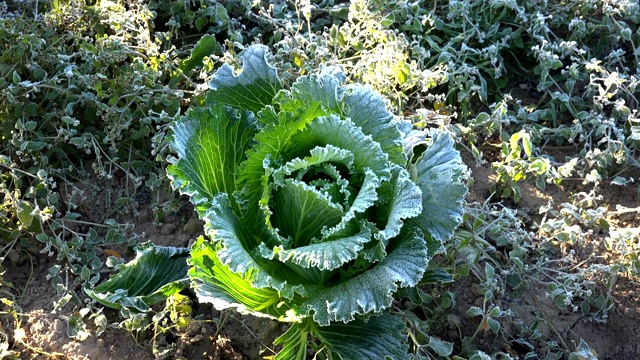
column 156, row 273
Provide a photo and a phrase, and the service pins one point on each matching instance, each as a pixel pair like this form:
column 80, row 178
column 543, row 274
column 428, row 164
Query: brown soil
column 617, row 336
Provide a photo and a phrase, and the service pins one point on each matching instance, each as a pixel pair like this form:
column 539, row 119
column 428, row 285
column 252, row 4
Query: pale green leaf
column 439, row 172
column 294, row 344
column 24, row 212
column 317, row 156
column 474, row 311
column 255, row 86
column 323, row 95
column 367, row 109
column 210, row 143
column 527, row 145
column 314, row 95
column 271, row 143
column 583, row 352
column 236, row 241
column 401, row 200
column 344, row 134
column 321, row 162
column 364, row 200
column 442, row 348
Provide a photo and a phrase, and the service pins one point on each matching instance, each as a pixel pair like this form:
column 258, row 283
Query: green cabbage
column 316, row 208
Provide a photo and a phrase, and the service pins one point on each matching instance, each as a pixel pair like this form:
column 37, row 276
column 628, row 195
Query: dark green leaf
column 207, row 45
column 381, row 337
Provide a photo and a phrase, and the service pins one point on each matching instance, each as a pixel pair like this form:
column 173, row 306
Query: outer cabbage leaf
column 381, row 337
column 371, row 291
column 411, row 137
column 253, row 89
column 156, row 273
column 368, row 111
column 439, row 172
column 323, row 94
column 216, row 284
column 211, row 144
column 315, row 95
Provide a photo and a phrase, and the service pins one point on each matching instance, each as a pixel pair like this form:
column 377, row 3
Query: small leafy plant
column 317, row 207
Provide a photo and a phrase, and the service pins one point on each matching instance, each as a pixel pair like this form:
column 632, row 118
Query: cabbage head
column 318, row 205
